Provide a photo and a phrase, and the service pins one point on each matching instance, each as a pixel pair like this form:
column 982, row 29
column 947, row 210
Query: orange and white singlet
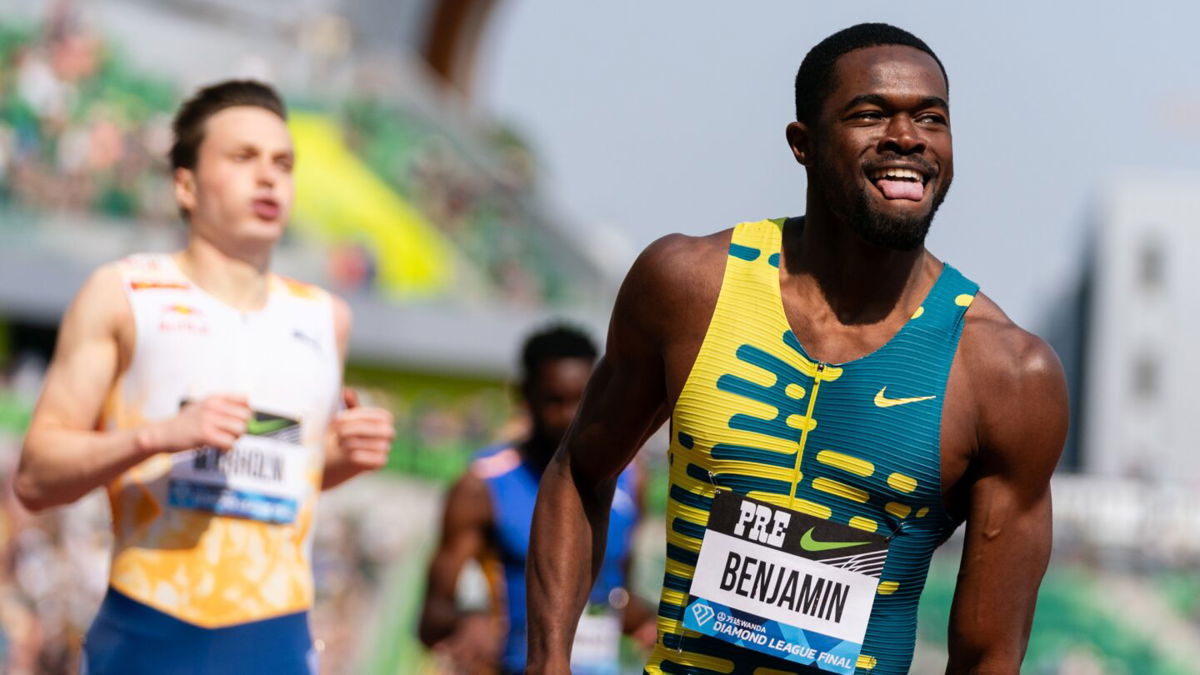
column 219, row 539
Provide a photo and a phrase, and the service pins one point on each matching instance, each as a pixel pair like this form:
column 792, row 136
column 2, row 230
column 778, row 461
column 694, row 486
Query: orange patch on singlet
column 205, row 569
column 299, row 288
column 158, row 285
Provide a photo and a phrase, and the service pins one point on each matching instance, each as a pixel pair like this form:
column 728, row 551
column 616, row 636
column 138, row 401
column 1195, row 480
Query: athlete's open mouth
column 900, row 182
column 266, row 208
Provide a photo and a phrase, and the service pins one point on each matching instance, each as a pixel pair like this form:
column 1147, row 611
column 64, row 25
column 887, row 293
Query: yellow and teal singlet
column 854, row 444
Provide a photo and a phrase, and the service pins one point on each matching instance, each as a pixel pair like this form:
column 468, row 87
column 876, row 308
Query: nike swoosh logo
column 264, row 427
column 809, row 544
column 883, row 401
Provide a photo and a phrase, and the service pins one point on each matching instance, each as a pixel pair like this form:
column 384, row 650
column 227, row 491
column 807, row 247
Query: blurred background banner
column 468, row 169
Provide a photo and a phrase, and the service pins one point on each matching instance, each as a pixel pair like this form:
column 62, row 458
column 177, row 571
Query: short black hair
column 194, row 113
column 814, row 79
column 558, row 341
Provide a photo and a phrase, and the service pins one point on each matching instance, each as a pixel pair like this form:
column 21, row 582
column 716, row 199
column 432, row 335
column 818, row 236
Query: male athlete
column 487, row 517
column 840, row 400
column 202, row 392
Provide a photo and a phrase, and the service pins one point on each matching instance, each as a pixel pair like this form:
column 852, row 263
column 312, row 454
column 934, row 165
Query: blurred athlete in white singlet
column 204, row 393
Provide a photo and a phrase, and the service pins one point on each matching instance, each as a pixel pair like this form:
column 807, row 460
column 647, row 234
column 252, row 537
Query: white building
column 1141, row 387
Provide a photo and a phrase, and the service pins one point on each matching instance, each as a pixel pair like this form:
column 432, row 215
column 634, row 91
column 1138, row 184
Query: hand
column 646, row 634
column 363, row 434
column 474, row 646
column 216, row 421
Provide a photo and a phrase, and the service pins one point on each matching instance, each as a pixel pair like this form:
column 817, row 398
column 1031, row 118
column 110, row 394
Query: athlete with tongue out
column 839, row 399
column 204, row 393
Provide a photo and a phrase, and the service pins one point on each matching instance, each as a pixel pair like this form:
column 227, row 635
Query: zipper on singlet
column 812, row 402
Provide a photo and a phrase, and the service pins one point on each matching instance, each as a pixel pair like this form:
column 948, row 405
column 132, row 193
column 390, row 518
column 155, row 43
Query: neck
column 240, row 281
column 538, row 451
column 861, row 283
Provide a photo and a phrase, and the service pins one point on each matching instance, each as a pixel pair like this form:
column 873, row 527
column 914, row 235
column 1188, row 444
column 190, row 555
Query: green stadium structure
column 428, row 221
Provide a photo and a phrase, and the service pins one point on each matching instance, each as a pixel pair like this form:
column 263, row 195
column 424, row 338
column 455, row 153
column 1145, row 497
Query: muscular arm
column 626, row 400
column 64, row 457
column 1022, row 427
column 465, row 525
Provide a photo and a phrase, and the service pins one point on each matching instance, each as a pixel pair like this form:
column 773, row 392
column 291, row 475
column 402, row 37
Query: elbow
column 29, row 493
column 29, row 490
column 438, row 617
column 426, row 635
column 429, row 632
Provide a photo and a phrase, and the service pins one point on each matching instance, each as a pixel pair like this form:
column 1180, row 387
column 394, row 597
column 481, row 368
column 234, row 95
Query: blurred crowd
column 78, row 131
column 84, row 130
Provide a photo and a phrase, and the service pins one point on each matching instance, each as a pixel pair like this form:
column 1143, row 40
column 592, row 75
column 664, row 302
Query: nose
column 902, row 136
column 265, row 176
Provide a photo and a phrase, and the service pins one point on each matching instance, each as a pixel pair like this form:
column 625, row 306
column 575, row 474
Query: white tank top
column 216, row 538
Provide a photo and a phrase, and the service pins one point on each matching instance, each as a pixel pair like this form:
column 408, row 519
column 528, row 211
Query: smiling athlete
column 203, row 391
column 840, row 400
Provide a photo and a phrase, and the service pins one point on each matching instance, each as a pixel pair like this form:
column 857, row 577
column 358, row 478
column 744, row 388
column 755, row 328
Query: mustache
column 892, row 158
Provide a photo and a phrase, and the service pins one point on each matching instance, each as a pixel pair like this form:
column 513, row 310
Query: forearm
column 637, row 613
column 566, row 546
column 1005, row 555
column 439, row 618
column 58, row 466
column 989, row 663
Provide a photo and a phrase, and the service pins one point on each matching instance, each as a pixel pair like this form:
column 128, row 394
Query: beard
column 899, row 233
column 895, row 232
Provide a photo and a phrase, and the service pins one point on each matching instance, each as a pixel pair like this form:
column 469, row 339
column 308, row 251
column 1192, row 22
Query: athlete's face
column 553, row 394
column 880, row 155
column 241, row 189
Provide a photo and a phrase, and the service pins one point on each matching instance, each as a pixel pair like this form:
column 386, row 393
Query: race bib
column 596, row 649
column 785, row 583
column 261, row 478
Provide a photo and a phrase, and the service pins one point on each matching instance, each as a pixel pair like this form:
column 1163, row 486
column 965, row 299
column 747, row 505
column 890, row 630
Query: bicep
column 626, row 398
column 87, row 356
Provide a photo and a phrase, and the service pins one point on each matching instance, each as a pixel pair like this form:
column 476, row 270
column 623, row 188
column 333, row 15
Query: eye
column 932, row 119
column 868, row 115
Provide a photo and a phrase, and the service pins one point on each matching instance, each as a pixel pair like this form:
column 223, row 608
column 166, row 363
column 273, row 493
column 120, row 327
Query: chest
column 894, row 428
column 186, row 346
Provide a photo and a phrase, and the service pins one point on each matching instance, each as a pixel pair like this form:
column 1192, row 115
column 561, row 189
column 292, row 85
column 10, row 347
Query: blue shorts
column 130, row 638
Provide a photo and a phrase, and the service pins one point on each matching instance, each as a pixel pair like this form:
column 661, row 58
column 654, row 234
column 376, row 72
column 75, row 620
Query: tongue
column 901, row 189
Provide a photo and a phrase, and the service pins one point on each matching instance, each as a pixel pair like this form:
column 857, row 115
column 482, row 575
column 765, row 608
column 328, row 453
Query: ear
column 185, row 189
column 800, row 142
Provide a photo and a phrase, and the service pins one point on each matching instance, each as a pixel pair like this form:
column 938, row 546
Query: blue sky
column 664, row 116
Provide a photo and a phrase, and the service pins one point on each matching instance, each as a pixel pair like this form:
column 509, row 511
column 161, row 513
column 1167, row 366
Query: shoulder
column 318, row 299
column 469, row 501
column 676, row 275
column 494, row 462
column 302, row 290
column 1016, row 379
column 677, row 258
column 1002, row 354
column 102, row 298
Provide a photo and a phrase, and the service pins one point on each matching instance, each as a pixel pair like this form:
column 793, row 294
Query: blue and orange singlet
column 856, row 443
